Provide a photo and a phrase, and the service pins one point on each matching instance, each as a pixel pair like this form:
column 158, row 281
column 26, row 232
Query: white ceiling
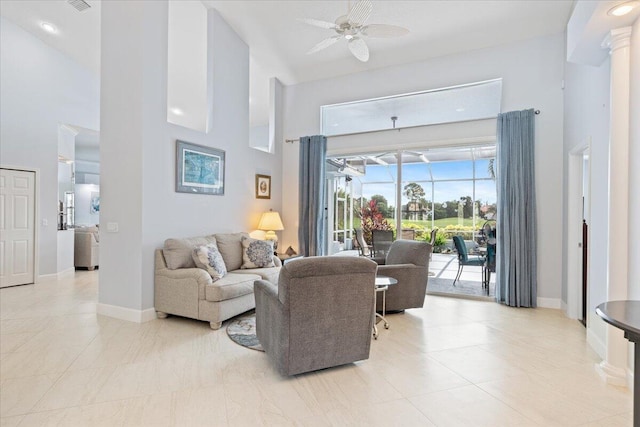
column 278, row 41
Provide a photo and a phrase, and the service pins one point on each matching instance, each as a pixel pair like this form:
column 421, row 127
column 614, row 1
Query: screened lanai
column 452, row 189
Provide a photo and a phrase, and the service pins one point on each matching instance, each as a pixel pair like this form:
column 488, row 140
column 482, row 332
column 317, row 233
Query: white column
column 618, row 41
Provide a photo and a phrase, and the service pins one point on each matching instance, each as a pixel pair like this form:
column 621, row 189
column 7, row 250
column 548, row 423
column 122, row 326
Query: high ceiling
column 278, row 41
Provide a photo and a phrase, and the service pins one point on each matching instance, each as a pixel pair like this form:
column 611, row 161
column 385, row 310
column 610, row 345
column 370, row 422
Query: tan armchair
column 86, row 248
column 408, row 263
column 319, row 315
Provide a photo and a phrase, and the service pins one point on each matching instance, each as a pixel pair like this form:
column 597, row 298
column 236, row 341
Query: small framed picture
column 263, row 187
column 199, row 169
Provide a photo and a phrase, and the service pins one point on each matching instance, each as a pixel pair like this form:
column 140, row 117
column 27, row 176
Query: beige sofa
column 184, row 290
column 86, row 248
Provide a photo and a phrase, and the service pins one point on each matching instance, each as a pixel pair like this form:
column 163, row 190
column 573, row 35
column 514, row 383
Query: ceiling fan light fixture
column 354, row 29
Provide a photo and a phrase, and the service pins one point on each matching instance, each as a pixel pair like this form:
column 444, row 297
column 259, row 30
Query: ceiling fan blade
column 318, row 23
column 324, row 44
column 383, row 31
column 360, row 12
column 359, row 49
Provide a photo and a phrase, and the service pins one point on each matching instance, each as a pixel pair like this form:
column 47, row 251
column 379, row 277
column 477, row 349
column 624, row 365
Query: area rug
column 463, row 288
column 242, row 330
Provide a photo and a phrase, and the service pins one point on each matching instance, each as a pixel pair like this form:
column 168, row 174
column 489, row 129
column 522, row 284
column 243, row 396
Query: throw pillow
column 257, row 253
column 208, row 258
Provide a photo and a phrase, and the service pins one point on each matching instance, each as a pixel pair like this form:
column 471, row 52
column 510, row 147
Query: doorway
column 17, row 226
column 578, row 221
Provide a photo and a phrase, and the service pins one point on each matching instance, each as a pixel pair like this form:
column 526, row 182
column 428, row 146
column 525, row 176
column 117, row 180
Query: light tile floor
column 454, row 363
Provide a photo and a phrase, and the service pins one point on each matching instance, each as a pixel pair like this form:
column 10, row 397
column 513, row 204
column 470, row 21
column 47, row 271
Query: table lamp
column 271, row 222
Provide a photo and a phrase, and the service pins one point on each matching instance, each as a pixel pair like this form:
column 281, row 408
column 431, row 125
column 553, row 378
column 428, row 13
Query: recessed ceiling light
column 623, row 8
column 177, row 111
column 48, row 27
column 460, row 110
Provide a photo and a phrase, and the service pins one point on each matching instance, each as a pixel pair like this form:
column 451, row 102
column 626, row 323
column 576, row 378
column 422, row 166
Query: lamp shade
column 270, row 221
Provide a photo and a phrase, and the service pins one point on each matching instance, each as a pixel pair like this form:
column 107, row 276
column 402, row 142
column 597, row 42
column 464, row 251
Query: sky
column 381, row 180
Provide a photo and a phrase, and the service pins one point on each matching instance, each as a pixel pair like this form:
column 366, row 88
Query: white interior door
column 17, row 227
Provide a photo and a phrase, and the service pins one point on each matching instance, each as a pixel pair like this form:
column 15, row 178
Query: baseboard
column 612, row 374
column 55, row 275
column 564, row 307
column 549, row 303
column 124, row 313
column 596, row 344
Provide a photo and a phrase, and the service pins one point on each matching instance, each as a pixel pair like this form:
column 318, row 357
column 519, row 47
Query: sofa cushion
column 208, row 258
column 230, row 247
column 269, row 274
column 257, row 253
column 232, row 285
column 177, row 252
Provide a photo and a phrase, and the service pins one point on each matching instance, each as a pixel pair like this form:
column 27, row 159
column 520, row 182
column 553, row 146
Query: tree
column 413, row 191
column 383, row 205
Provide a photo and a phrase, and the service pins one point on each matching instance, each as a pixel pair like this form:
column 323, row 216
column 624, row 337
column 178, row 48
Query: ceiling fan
column 353, row 27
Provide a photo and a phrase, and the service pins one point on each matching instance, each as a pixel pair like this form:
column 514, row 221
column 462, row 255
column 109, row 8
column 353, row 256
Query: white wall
column 532, row 77
column 138, row 149
column 41, row 88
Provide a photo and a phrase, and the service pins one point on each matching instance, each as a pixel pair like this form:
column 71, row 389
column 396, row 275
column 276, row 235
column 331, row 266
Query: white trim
column 148, row 315
column 596, row 343
column 612, row 374
column 124, row 313
column 630, row 379
column 577, row 209
column 549, row 303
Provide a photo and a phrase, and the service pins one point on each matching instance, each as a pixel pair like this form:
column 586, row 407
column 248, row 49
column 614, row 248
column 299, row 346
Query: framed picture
column 263, row 187
column 199, row 169
column 94, row 203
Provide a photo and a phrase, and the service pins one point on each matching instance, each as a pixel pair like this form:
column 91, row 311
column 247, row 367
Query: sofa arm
column 179, row 291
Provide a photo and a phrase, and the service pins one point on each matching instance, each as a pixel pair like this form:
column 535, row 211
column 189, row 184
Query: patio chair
column 434, row 232
column 381, row 241
column 365, row 250
column 463, row 257
column 408, row 234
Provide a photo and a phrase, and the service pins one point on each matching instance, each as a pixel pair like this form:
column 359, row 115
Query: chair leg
column 458, row 275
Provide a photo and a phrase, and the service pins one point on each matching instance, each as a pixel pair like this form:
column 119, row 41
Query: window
column 471, row 101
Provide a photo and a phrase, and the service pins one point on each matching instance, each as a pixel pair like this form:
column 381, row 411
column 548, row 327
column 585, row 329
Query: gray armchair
column 408, row 263
column 319, row 315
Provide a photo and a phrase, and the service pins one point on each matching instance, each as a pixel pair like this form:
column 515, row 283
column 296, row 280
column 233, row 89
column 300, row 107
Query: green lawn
column 439, row 223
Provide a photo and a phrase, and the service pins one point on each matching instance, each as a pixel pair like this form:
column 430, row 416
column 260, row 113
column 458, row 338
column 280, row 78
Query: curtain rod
column 291, row 141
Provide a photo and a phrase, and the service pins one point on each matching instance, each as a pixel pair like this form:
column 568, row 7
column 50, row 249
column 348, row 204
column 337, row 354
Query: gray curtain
column 313, row 225
column 516, row 279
